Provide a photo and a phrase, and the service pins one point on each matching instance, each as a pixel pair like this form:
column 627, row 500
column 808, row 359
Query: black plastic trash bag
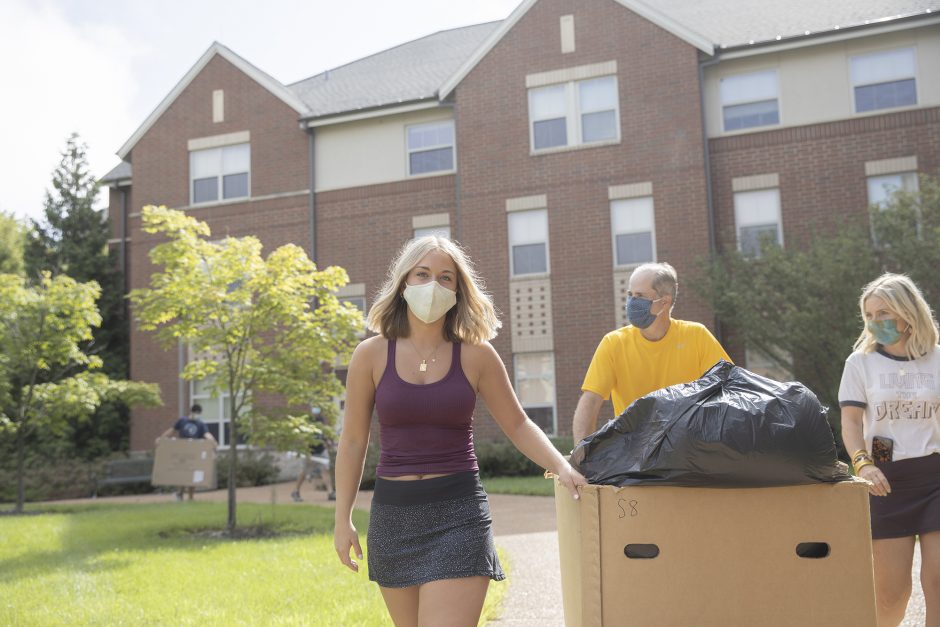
column 729, row 428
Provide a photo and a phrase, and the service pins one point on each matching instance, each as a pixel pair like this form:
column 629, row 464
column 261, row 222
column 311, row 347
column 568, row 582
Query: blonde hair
column 904, row 300
column 473, row 320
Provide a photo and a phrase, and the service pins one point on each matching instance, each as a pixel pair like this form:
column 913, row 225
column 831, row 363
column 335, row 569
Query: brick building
column 561, row 146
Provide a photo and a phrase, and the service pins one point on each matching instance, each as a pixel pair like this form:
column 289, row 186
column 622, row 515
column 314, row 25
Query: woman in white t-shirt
column 890, row 400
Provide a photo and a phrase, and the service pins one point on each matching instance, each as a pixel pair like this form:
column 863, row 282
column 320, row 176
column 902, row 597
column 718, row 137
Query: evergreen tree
column 12, row 240
column 72, row 239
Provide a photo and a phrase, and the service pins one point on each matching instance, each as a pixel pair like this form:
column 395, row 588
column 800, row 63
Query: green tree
column 12, row 242
column 255, row 325
column 907, row 235
column 46, row 378
column 799, row 305
column 72, row 239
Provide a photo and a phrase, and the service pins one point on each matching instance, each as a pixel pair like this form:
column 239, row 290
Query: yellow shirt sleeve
column 710, row 351
column 600, row 375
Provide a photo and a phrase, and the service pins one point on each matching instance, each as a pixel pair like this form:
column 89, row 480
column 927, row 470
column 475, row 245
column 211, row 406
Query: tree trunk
column 20, row 471
column 233, row 464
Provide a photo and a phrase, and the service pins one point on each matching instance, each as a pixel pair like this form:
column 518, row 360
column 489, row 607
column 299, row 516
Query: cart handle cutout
column 641, row 551
column 813, row 550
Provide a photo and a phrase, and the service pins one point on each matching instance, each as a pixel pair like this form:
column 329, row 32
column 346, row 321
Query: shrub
column 499, row 458
column 49, row 478
column 254, row 468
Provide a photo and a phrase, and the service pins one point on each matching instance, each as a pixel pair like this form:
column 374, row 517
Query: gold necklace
column 423, row 366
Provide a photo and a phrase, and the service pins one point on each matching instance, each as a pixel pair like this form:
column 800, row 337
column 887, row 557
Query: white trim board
column 266, row 81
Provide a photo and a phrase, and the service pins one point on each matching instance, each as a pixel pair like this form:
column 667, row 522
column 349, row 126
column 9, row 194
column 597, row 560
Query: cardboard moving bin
column 183, row 462
column 657, row 556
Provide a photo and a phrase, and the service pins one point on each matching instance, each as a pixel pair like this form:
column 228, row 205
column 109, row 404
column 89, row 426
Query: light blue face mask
column 885, row 331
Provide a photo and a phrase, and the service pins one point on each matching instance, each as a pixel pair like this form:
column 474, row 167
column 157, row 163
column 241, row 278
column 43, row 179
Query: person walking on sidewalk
column 317, row 460
column 191, row 428
column 430, row 539
column 654, row 351
column 890, row 401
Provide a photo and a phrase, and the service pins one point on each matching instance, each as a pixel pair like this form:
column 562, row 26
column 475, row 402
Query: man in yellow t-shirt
column 653, row 352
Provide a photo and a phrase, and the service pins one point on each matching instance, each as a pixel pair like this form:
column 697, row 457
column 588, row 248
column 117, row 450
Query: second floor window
column 881, row 189
column 749, row 100
column 440, row 231
column 573, row 113
column 885, row 79
column 757, row 218
column 528, row 242
column 631, row 221
column 219, row 173
column 431, row 147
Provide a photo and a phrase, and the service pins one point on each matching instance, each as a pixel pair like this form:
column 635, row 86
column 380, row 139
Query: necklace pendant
column 424, row 366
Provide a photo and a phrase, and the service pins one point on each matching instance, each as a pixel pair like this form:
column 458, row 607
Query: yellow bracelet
column 860, row 451
column 861, row 465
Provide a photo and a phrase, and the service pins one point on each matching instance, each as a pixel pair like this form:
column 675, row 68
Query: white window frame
column 554, row 383
column 409, row 150
column 204, row 399
column 512, row 244
column 853, row 85
column 220, row 176
column 743, row 101
column 573, row 113
column 625, row 203
column 908, row 183
column 738, row 209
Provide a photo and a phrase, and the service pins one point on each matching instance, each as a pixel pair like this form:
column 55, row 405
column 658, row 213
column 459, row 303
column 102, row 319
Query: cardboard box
column 723, row 557
column 182, row 462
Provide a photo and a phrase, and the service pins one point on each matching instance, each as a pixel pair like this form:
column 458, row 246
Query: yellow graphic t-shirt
column 627, row 366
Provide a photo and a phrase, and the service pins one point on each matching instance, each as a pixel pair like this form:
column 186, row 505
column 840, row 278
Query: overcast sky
column 99, row 67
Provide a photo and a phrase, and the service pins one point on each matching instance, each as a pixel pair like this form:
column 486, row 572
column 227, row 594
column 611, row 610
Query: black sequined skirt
column 430, row 529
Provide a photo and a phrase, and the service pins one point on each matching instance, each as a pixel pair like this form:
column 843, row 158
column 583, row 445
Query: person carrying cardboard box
column 191, row 428
column 654, row 351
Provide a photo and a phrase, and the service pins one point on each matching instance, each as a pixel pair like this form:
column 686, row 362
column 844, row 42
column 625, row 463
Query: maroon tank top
column 428, row 428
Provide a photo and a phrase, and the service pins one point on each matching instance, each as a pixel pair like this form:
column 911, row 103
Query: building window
column 757, row 218
column 216, row 410
column 535, row 386
column 431, row 147
column 440, row 231
column 882, row 80
column 633, row 231
column 573, row 113
column 528, row 242
column 219, row 173
column 749, row 100
column 882, row 188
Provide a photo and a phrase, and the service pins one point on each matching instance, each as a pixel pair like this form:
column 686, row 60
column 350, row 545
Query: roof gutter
column 366, row 113
column 838, row 33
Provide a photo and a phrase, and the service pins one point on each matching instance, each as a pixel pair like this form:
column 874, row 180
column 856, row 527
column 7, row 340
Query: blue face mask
column 638, row 311
column 885, row 331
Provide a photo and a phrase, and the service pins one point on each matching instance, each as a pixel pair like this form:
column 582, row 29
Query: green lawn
column 140, row 564
column 532, row 486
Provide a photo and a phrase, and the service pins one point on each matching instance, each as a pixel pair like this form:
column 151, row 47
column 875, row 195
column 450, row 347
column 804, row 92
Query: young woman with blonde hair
column 890, row 400
column 430, row 539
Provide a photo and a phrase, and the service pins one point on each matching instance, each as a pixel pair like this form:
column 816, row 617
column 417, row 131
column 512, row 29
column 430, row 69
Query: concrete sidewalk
column 525, row 529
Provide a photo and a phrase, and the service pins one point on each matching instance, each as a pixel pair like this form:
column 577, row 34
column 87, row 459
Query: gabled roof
column 263, row 79
column 710, row 25
column 732, row 23
column 410, row 72
column 120, row 172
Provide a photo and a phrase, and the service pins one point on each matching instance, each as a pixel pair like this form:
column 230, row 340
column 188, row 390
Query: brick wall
column 661, row 142
column 279, row 165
